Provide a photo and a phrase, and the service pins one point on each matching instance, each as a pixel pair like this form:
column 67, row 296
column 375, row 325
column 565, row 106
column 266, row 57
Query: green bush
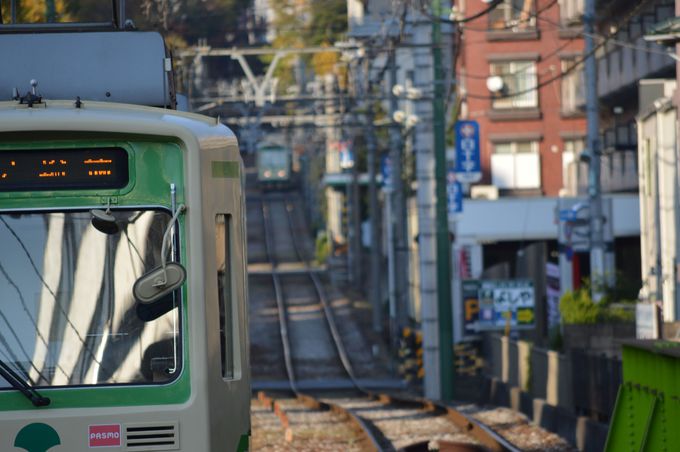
column 577, row 307
column 322, row 248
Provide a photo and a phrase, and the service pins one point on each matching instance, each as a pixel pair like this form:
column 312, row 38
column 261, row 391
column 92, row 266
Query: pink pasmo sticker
column 104, row 435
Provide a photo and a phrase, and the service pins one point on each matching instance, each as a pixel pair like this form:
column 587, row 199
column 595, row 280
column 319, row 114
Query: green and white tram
column 274, row 166
column 123, row 317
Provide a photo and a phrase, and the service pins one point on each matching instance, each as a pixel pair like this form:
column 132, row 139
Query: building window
column 573, row 86
column 514, row 15
column 571, row 11
column 574, row 172
column 516, row 165
column 225, row 297
column 516, row 147
column 518, row 77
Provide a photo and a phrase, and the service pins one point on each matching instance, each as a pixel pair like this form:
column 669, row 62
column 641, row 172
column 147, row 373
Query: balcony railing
column 629, row 58
column 618, row 173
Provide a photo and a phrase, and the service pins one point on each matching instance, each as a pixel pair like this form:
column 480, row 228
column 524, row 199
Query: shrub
column 322, row 248
column 577, row 307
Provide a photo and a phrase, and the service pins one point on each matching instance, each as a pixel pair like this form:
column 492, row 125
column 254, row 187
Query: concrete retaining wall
column 538, row 383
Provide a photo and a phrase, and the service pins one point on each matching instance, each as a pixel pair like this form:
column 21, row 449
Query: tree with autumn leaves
column 304, row 23
column 180, row 21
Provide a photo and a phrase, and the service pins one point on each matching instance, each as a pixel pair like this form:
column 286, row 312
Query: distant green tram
column 274, row 166
column 123, row 303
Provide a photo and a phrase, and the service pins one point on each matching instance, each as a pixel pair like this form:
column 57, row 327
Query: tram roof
column 109, row 66
column 107, row 117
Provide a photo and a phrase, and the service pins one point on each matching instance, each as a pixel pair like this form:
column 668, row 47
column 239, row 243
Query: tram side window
column 224, row 282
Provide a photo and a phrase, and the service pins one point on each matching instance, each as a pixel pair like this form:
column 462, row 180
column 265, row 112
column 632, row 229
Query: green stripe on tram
column 225, row 170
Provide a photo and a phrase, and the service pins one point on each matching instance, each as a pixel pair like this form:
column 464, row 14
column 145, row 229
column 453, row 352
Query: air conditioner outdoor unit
column 484, row 192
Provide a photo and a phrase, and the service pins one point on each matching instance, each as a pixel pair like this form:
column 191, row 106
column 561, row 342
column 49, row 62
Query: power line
column 610, row 37
column 528, row 66
column 572, row 67
column 534, row 15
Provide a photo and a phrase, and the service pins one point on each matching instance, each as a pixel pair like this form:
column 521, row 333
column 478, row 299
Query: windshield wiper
column 17, row 382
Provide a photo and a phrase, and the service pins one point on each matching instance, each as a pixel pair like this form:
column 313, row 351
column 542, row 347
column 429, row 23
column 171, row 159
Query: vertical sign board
column 386, row 170
column 470, row 289
column 552, row 288
column 491, row 304
column 346, row 155
column 646, row 321
column 468, row 163
column 454, row 193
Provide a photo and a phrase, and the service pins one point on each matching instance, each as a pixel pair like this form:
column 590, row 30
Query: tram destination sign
column 63, row 169
column 498, row 304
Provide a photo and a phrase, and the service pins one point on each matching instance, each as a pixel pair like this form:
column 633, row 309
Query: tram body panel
column 206, row 411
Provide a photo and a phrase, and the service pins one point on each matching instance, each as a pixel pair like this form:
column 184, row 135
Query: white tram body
column 136, row 331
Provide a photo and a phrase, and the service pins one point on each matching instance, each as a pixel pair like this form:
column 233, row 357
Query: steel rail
column 368, row 435
column 328, row 311
column 476, row 429
column 281, row 309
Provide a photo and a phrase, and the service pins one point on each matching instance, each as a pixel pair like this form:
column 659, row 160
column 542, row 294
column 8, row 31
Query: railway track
column 337, row 413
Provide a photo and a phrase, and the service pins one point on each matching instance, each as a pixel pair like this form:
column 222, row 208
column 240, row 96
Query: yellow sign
column 525, row 315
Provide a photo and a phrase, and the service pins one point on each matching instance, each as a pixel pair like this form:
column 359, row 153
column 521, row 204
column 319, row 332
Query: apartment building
column 521, row 78
column 530, row 140
column 519, row 74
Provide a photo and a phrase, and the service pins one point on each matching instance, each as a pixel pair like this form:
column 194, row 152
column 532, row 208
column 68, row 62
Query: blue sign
column 454, row 193
column 386, row 170
column 468, row 164
column 568, row 215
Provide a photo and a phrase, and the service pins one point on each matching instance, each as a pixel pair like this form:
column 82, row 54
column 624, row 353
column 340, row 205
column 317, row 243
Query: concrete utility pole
column 50, row 11
column 443, row 238
column 398, row 249
column 376, row 300
column 433, row 241
column 597, row 246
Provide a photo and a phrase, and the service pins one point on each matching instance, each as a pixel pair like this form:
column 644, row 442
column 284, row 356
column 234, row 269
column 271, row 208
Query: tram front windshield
column 273, row 158
column 68, row 316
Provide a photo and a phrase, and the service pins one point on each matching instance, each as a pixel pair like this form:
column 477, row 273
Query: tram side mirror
column 165, row 278
column 159, row 282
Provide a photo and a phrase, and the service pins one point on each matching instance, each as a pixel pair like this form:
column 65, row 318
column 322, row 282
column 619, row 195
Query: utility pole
column 398, row 249
column 433, row 236
column 50, row 11
column 443, row 241
column 373, row 204
column 597, row 247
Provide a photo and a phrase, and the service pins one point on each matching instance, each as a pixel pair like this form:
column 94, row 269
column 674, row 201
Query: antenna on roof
column 119, row 13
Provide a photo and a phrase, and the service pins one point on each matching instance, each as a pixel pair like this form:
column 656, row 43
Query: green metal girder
column 646, row 416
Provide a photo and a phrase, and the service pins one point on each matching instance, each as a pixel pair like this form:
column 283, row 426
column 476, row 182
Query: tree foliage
column 299, row 24
column 217, row 21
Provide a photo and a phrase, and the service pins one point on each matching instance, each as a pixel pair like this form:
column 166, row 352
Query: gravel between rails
column 516, row 428
column 402, row 426
column 308, row 429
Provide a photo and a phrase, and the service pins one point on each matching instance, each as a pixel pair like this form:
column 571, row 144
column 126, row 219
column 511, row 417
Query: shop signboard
column 490, row 305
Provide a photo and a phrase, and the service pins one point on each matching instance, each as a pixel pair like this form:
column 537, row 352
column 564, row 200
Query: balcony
column 369, row 18
column 618, row 173
column 629, row 58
